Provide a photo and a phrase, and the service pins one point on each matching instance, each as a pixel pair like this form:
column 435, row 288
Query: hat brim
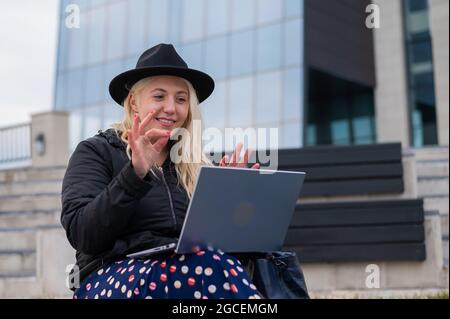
column 202, row 82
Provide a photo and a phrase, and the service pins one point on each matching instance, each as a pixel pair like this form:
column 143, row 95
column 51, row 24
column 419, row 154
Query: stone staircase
column 29, row 202
column 433, row 186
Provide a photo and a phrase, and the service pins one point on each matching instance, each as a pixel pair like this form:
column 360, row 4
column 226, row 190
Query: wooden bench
column 358, row 231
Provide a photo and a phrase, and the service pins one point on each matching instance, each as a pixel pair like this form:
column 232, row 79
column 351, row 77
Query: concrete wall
column 439, row 16
column 391, row 102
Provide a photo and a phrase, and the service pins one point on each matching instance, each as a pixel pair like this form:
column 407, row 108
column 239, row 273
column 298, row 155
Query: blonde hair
column 186, row 170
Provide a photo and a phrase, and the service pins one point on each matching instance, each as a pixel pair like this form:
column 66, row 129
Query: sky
column 28, row 48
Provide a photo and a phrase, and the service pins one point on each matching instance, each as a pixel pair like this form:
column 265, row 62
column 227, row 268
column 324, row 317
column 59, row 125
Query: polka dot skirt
column 204, row 275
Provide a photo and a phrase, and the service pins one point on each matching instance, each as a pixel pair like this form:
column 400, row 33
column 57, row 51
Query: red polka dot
column 234, row 289
column 233, row 272
column 152, row 286
column 136, row 291
column 163, row 277
column 201, row 253
column 191, row 281
column 163, row 264
column 88, row 287
column 131, row 278
column 173, row 268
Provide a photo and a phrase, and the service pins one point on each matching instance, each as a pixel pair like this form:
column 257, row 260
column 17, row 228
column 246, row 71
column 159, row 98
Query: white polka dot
column 96, row 296
column 212, row 289
column 185, row 269
column 182, row 258
column 166, row 289
column 230, row 262
column 148, row 297
column 251, row 297
column 129, row 293
column 220, row 252
column 253, row 286
column 103, row 292
column 117, row 284
column 225, row 273
column 123, row 271
column 240, row 269
column 142, row 282
column 197, row 295
column 148, row 271
column 147, row 261
column 111, row 281
column 109, row 293
column 210, row 248
column 107, row 270
column 198, row 270
column 96, row 284
column 257, row 297
column 142, row 270
column 130, row 261
column 177, row 284
column 123, row 289
column 208, row 271
column 226, row 286
column 109, row 278
column 131, row 268
column 245, row 281
column 100, row 272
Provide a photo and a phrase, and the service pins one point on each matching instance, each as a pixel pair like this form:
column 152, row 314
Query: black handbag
column 278, row 275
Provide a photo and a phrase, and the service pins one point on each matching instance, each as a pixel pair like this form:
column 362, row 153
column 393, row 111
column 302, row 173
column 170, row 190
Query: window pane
column 192, row 20
column 290, row 135
column 116, row 30
column 293, row 43
column 94, row 81
column 293, row 8
column 269, row 10
column 242, row 14
column 268, row 97
column 77, row 43
column 158, row 22
column 192, row 54
column 242, row 54
column 111, row 70
column 136, row 26
column 293, row 94
column 214, row 109
column 75, row 128
column 240, row 102
column 61, row 90
column 63, row 45
column 216, row 57
column 92, row 120
column 96, row 36
column 75, row 88
column 217, row 17
column 269, row 47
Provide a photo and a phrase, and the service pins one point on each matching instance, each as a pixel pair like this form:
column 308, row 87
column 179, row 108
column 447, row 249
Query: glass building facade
column 253, row 49
column 419, row 58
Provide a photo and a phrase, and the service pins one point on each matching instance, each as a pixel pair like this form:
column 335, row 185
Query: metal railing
column 15, row 146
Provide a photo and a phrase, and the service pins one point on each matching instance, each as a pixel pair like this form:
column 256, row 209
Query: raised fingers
column 235, row 156
column 145, row 122
column 243, row 162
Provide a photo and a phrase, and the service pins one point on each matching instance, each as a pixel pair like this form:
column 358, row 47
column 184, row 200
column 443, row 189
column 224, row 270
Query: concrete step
column 30, row 188
column 430, row 186
column 431, row 153
column 32, row 174
column 19, row 238
column 438, row 203
column 29, row 218
column 31, row 202
column 23, row 260
column 20, row 285
column 432, row 169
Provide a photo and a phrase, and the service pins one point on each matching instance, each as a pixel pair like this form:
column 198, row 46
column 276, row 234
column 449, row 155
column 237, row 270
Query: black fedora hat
column 161, row 59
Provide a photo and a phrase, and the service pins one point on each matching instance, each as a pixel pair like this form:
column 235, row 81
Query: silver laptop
column 237, row 210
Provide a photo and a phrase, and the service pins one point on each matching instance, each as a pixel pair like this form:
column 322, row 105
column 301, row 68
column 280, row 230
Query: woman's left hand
column 234, row 162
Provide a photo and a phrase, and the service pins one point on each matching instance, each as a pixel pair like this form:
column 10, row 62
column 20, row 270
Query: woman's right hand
column 145, row 145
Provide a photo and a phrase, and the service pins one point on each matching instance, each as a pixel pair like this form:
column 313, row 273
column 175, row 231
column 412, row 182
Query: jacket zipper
column 170, row 198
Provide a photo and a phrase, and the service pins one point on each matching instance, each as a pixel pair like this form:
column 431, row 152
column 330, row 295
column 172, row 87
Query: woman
column 122, row 192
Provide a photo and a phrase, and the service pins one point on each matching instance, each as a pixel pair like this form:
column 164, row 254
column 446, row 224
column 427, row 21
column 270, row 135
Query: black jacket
column 108, row 211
